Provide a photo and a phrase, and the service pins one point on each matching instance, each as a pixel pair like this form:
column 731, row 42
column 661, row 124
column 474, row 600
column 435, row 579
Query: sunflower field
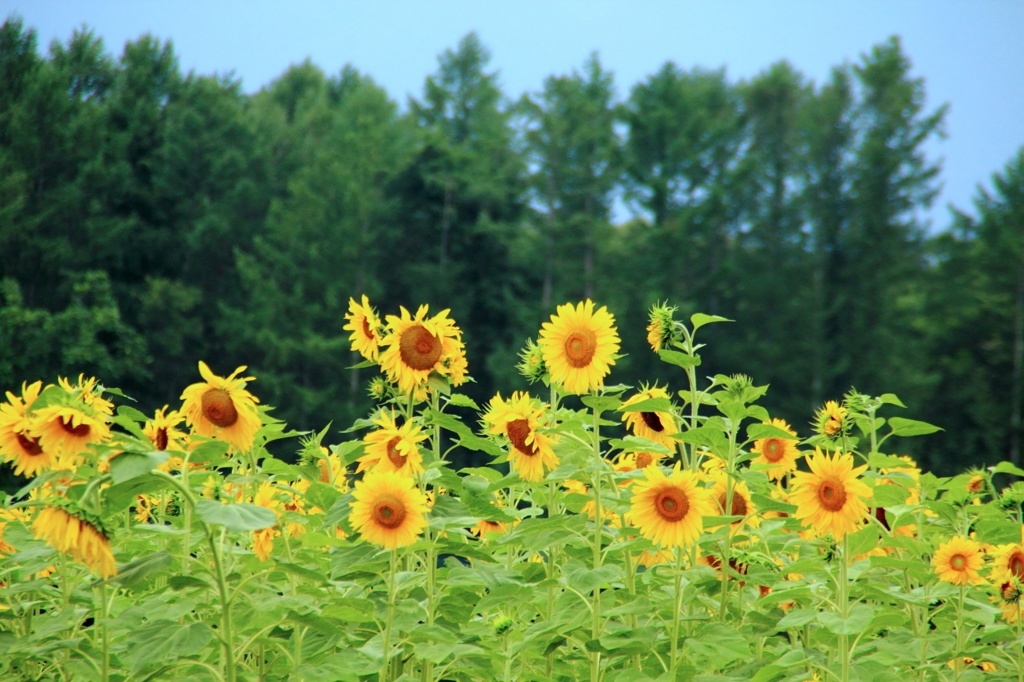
column 611, row 532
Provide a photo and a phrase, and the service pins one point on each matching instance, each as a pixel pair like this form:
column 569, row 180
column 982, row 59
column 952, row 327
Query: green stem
column 227, row 639
column 595, row 629
column 104, row 632
column 392, row 570
column 843, row 603
column 677, row 605
column 958, row 668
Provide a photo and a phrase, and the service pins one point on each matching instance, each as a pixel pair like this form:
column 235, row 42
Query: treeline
column 150, row 218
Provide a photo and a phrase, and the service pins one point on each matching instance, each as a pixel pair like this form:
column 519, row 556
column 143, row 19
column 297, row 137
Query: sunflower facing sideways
column 17, row 445
column 365, row 327
column 656, row 426
column 393, row 448
column 417, row 346
column 222, row 408
column 778, row 453
column 388, row 509
column 830, row 497
column 579, row 346
column 73, row 419
column 669, row 510
column 73, row 533
column 530, row 453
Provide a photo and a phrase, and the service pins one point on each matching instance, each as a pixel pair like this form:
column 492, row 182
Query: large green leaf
column 235, row 517
column 161, row 640
column 911, row 427
column 856, row 622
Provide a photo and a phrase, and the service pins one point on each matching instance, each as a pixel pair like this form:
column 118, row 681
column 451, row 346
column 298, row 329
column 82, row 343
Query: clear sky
column 970, row 52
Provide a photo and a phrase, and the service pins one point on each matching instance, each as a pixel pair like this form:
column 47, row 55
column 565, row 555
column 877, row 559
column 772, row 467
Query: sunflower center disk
column 80, row 431
column 643, row 460
column 388, row 511
column 218, row 408
column 832, row 495
column 671, row 504
column 396, row 457
column 29, row 445
column 580, row 347
column 518, row 431
column 653, row 421
column 739, row 505
column 161, row 439
column 958, row 562
column 1017, row 565
column 419, row 349
column 772, row 450
column 367, row 332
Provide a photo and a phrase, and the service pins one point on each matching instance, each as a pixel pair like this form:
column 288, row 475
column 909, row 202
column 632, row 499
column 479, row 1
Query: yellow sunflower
column 656, row 426
column 742, row 504
column 332, row 471
column 417, row 346
column 88, row 391
column 831, row 420
column 634, row 461
column 1008, row 561
column 17, row 444
column 776, row 452
column 530, row 452
column 830, row 498
column 162, row 430
column 365, row 327
column 68, row 430
column 662, row 328
column 1010, row 599
column 72, row 534
column 959, row 561
column 579, row 346
column 393, row 448
column 222, row 408
column 388, row 509
column 669, row 510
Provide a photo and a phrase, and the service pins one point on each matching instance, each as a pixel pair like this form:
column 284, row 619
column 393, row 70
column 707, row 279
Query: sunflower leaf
column 698, row 320
column 129, row 465
column 911, row 427
column 855, row 623
column 235, row 517
column 684, row 360
column 648, row 405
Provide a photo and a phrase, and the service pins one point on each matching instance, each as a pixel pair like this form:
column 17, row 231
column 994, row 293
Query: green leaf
column 911, row 427
column 460, row 400
column 272, row 465
column 210, row 451
column 601, row 403
column 698, row 320
column 235, row 517
column 162, row 639
column 891, row 399
column 758, row 431
column 674, row 357
column 719, row 644
column 855, row 623
column 122, row 495
column 648, row 405
column 129, row 465
column 797, row 618
column 135, row 572
column 1007, row 468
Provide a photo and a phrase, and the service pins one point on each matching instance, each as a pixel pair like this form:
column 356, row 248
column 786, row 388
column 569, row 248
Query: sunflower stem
column 386, row 664
column 843, row 603
column 104, row 630
column 595, row 629
column 958, row 665
column 677, row 604
column 227, row 639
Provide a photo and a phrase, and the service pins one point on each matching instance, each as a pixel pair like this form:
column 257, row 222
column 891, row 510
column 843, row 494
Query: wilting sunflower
column 742, row 504
column 68, row 430
column 959, row 561
column 222, row 408
column 656, row 426
column 531, row 454
column 393, row 448
column 388, row 509
column 417, row 346
column 777, row 452
column 17, row 444
column 579, row 346
column 365, row 327
column 669, row 510
column 831, row 420
column 71, row 533
column 830, row 498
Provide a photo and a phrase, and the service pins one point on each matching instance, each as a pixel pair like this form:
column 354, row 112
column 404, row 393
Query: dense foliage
column 149, row 217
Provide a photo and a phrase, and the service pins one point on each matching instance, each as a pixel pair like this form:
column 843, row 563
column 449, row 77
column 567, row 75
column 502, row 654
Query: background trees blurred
column 149, row 219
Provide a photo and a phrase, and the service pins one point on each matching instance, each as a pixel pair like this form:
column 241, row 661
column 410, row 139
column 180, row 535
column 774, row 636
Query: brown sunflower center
column 419, row 348
column 367, row 332
column 1009, row 591
column 29, row 444
column 1017, row 564
column 832, row 494
column 388, row 511
column 218, row 408
column 958, row 562
column 773, row 450
column 518, row 431
column 580, row 347
column 161, row 438
column 80, row 431
column 671, row 504
column 397, row 458
column 739, row 504
column 643, row 460
column 653, row 421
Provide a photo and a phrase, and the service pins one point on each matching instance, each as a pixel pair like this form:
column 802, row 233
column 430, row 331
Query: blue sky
column 970, row 53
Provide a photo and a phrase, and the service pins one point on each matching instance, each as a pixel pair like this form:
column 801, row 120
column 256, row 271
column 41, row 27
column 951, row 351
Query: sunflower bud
column 662, row 330
column 502, row 624
column 531, row 362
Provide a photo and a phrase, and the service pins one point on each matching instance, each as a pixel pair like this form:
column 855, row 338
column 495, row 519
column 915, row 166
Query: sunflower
column 417, row 346
column 662, row 328
column 742, row 504
column 634, row 461
column 1008, row 562
column 162, row 430
column 365, row 327
column 958, row 561
column 393, row 448
column 1009, row 598
column 387, row 509
column 830, row 498
column 669, row 510
column 222, row 408
column 74, row 534
column 68, row 430
column 531, row 362
column 530, row 452
column 777, row 452
column 17, row 444
column 332, row 471
column 88, row 391
column 831, row 420
column 579, row 346
column 656, row 426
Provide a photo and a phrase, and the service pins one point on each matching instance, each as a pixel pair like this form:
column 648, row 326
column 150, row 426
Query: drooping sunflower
column 221, row 407
column 959, row 561
column 364, row 324
column 74, row 534
column 742, row 504
column 656, row 426
column 393, row 448
column 830, row 498
column 669, row 510
column 388, row 509
column 530, row 453
column 579, row 346
column 777, row 452
column 831, row 420
column 17, row 444
column 417, row 346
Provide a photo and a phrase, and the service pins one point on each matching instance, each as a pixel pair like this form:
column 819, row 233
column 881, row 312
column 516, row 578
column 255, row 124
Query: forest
column 151, row 218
